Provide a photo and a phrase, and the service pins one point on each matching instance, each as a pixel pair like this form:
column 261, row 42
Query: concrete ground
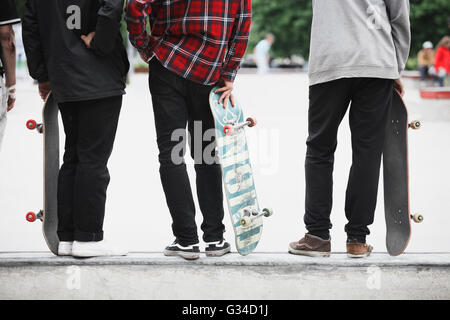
column 137, row 217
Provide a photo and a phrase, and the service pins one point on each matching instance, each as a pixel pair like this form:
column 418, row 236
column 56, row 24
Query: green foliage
column 412, row 63
column 288, row 20
column 428, row 22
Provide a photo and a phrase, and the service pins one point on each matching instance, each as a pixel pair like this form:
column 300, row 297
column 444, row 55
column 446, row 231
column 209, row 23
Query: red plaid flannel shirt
column 201, row 40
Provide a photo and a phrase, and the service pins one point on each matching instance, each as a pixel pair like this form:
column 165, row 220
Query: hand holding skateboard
column 226, row 91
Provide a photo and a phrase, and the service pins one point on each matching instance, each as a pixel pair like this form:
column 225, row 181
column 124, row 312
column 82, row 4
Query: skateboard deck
column 396, row 178
column 50, row 130
column 232, row 151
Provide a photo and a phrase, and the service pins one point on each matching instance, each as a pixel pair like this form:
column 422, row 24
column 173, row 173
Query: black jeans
column 90, row 128
column 370, row 101
column 423, row 72
column 178, row 102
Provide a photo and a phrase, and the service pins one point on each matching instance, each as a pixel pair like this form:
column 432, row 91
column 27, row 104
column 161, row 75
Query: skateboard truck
column 31, row 216
column 415, row 125
column 32, row 125
column 251, row 214
column 230, row 128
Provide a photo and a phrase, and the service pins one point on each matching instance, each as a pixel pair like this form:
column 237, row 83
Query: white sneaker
column 95, row 249
column 65, row 248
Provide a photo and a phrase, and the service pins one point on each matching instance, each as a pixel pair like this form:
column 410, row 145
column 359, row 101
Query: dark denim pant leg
column 90, row 128
column 371, row 101
column 208, row 171
column 170, row 109
column 423, row 70
column 67, row 173
column 328, row 103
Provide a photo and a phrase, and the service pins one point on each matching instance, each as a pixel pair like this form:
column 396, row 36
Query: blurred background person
column 8, row 17
column 442, row 60
column 262, row 55
column 426, row 60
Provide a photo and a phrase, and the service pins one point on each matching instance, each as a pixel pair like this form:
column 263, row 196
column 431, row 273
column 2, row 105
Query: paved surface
column 258, row 276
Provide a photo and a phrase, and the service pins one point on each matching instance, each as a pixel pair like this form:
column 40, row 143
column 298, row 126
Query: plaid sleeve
column 238, row 41
column 137, row 12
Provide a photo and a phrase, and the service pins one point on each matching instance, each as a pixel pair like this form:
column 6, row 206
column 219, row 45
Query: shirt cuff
column 229, row 75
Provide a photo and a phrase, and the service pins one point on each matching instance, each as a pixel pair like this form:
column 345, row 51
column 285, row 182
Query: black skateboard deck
column 50, row 130
column 396, row 178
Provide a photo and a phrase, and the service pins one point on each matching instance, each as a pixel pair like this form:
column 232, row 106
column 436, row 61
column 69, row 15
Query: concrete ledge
column 258, row 276
column 34, row 259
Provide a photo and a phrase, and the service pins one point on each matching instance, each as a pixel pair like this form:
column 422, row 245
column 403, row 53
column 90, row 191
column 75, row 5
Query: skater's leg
column 371, row 101
column 3, row 109
column 209, row 174
column 328, row 104
column 66, row 177
column 171, row 114
column 97, row 125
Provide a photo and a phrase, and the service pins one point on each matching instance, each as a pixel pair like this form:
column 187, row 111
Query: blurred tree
column 429, row 22
column 290, row 22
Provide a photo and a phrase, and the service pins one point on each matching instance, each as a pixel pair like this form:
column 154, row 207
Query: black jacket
column 51, row 31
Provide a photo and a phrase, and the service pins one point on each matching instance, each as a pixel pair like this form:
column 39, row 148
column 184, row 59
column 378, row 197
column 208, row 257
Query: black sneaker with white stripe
column 191, row 252
column 217, row 248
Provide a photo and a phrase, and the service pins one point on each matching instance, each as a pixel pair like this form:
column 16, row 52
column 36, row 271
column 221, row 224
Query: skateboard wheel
column 415, row 125
column 418, row 218
column 252, row 122
column 267, row 212
column 246, row 221
column 31, row 216
column 31, row 124
column 227, row 130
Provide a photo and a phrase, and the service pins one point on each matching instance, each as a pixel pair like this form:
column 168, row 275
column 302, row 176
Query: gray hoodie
column 359, row 38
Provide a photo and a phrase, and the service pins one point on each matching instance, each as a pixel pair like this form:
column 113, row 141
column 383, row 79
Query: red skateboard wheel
column 31, row 124
column 252, row 121
column 227, row 130
column 31, row 216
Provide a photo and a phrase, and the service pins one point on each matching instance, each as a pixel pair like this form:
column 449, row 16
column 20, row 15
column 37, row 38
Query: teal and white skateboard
column 232, row 150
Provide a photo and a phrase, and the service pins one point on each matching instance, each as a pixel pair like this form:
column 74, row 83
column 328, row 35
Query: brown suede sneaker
column 358, row 250
column 311, row 246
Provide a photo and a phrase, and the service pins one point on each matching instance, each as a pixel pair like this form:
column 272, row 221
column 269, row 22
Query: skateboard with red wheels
column 396, row 178
column 50, row 131
column 237, row 175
